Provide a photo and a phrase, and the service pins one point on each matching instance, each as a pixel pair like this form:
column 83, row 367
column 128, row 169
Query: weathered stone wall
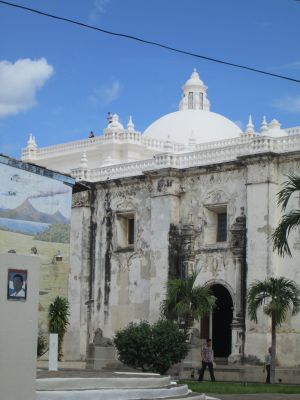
column 265, row 176
column 175, row 226
column 79, row 276
column 122, row 274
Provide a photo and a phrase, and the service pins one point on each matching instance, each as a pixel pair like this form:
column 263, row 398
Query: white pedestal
column 53, row 351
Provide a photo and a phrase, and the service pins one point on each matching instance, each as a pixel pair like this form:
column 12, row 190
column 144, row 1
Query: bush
column 42, row 345
column 152, row 348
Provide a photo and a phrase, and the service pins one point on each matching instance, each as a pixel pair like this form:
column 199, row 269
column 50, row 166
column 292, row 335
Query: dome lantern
column 194, row 95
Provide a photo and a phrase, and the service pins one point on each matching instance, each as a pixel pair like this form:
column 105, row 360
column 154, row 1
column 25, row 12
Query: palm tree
column 277, row 296
column 59, row 312
column 288, row 221
column 186, row 302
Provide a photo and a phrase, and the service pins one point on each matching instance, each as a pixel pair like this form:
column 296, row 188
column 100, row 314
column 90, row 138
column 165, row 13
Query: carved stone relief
column 213, row 263
column 167, row 186
column 209, row 179
column 238, row 234
column 127, row 204
column 125, row 259
column 216, row 196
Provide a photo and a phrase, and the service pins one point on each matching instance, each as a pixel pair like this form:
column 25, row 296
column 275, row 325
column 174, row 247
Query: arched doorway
column 221, row 321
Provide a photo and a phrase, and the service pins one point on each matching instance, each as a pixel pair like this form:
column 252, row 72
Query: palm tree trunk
column 273, row 350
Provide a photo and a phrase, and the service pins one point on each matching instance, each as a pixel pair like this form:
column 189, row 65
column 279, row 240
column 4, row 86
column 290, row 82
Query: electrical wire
column 71, row 21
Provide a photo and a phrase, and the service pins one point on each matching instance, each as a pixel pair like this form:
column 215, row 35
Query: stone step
column 120, row 386
column 121, row 394
column 221, row 360
column 118, row 381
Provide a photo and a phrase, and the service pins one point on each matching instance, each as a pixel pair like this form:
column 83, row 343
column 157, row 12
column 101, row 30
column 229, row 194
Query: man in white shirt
column 267, row 365
column 18, row 281
column 207, row 361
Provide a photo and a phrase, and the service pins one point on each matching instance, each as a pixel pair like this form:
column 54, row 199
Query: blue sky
column 58, row 81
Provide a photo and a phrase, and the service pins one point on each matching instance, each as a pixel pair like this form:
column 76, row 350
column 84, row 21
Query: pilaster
column 166, row 190
column 78, row 290
column 238, row 249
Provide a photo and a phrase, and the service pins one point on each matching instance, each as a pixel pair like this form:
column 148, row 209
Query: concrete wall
column 18, row 333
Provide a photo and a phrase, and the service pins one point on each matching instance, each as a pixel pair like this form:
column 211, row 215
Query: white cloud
column 99, row 7
column 19, row 83
column 106, row 95
column 288, row 103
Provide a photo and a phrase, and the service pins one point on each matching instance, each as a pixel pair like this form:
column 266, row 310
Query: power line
column 148, row 42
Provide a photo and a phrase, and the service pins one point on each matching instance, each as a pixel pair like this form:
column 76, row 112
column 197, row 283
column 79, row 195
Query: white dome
column 203, row 126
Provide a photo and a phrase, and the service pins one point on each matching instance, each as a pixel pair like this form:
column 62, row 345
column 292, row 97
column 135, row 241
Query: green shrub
column 152, row 348
column 58, row 320
column 42, row 345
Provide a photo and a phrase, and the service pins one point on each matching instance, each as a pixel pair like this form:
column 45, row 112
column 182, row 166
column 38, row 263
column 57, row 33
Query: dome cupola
column 194, row 95
column 194, row 123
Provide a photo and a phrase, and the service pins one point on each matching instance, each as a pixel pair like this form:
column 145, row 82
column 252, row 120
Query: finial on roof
column 264, row 125
column 250, row 126
column 83, row 160
column 115, row 125
column 130, row 125
column 274, row 124
column 31, row 142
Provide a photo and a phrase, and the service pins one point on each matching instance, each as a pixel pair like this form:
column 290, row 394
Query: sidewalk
column 62, row 365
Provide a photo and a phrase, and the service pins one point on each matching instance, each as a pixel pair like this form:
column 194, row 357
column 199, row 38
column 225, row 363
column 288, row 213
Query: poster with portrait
column 17, row 284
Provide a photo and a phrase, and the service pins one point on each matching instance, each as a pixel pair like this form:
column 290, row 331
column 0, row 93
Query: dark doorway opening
column 221, row 321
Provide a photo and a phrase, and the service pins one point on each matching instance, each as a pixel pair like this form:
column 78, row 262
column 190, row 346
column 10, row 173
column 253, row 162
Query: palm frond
column 289, row 187
column 280, row 295
column 286, row 224
column 184, row 300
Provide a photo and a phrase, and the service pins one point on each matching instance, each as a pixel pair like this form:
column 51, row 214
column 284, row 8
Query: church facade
column 193, row 192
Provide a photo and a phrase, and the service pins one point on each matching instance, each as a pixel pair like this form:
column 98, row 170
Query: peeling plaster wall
column 264, row 179
column 79, row 278
column 211, row 187
column 128, row 284
column 121, row 284
column 288, row 338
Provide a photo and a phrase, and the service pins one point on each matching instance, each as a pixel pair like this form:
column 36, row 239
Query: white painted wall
column 18, row 332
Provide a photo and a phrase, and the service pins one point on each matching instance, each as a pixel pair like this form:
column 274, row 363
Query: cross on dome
column 194, row 96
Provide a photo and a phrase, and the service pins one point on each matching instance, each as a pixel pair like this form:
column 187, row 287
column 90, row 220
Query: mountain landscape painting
column 34, row 205
column 35, row 213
